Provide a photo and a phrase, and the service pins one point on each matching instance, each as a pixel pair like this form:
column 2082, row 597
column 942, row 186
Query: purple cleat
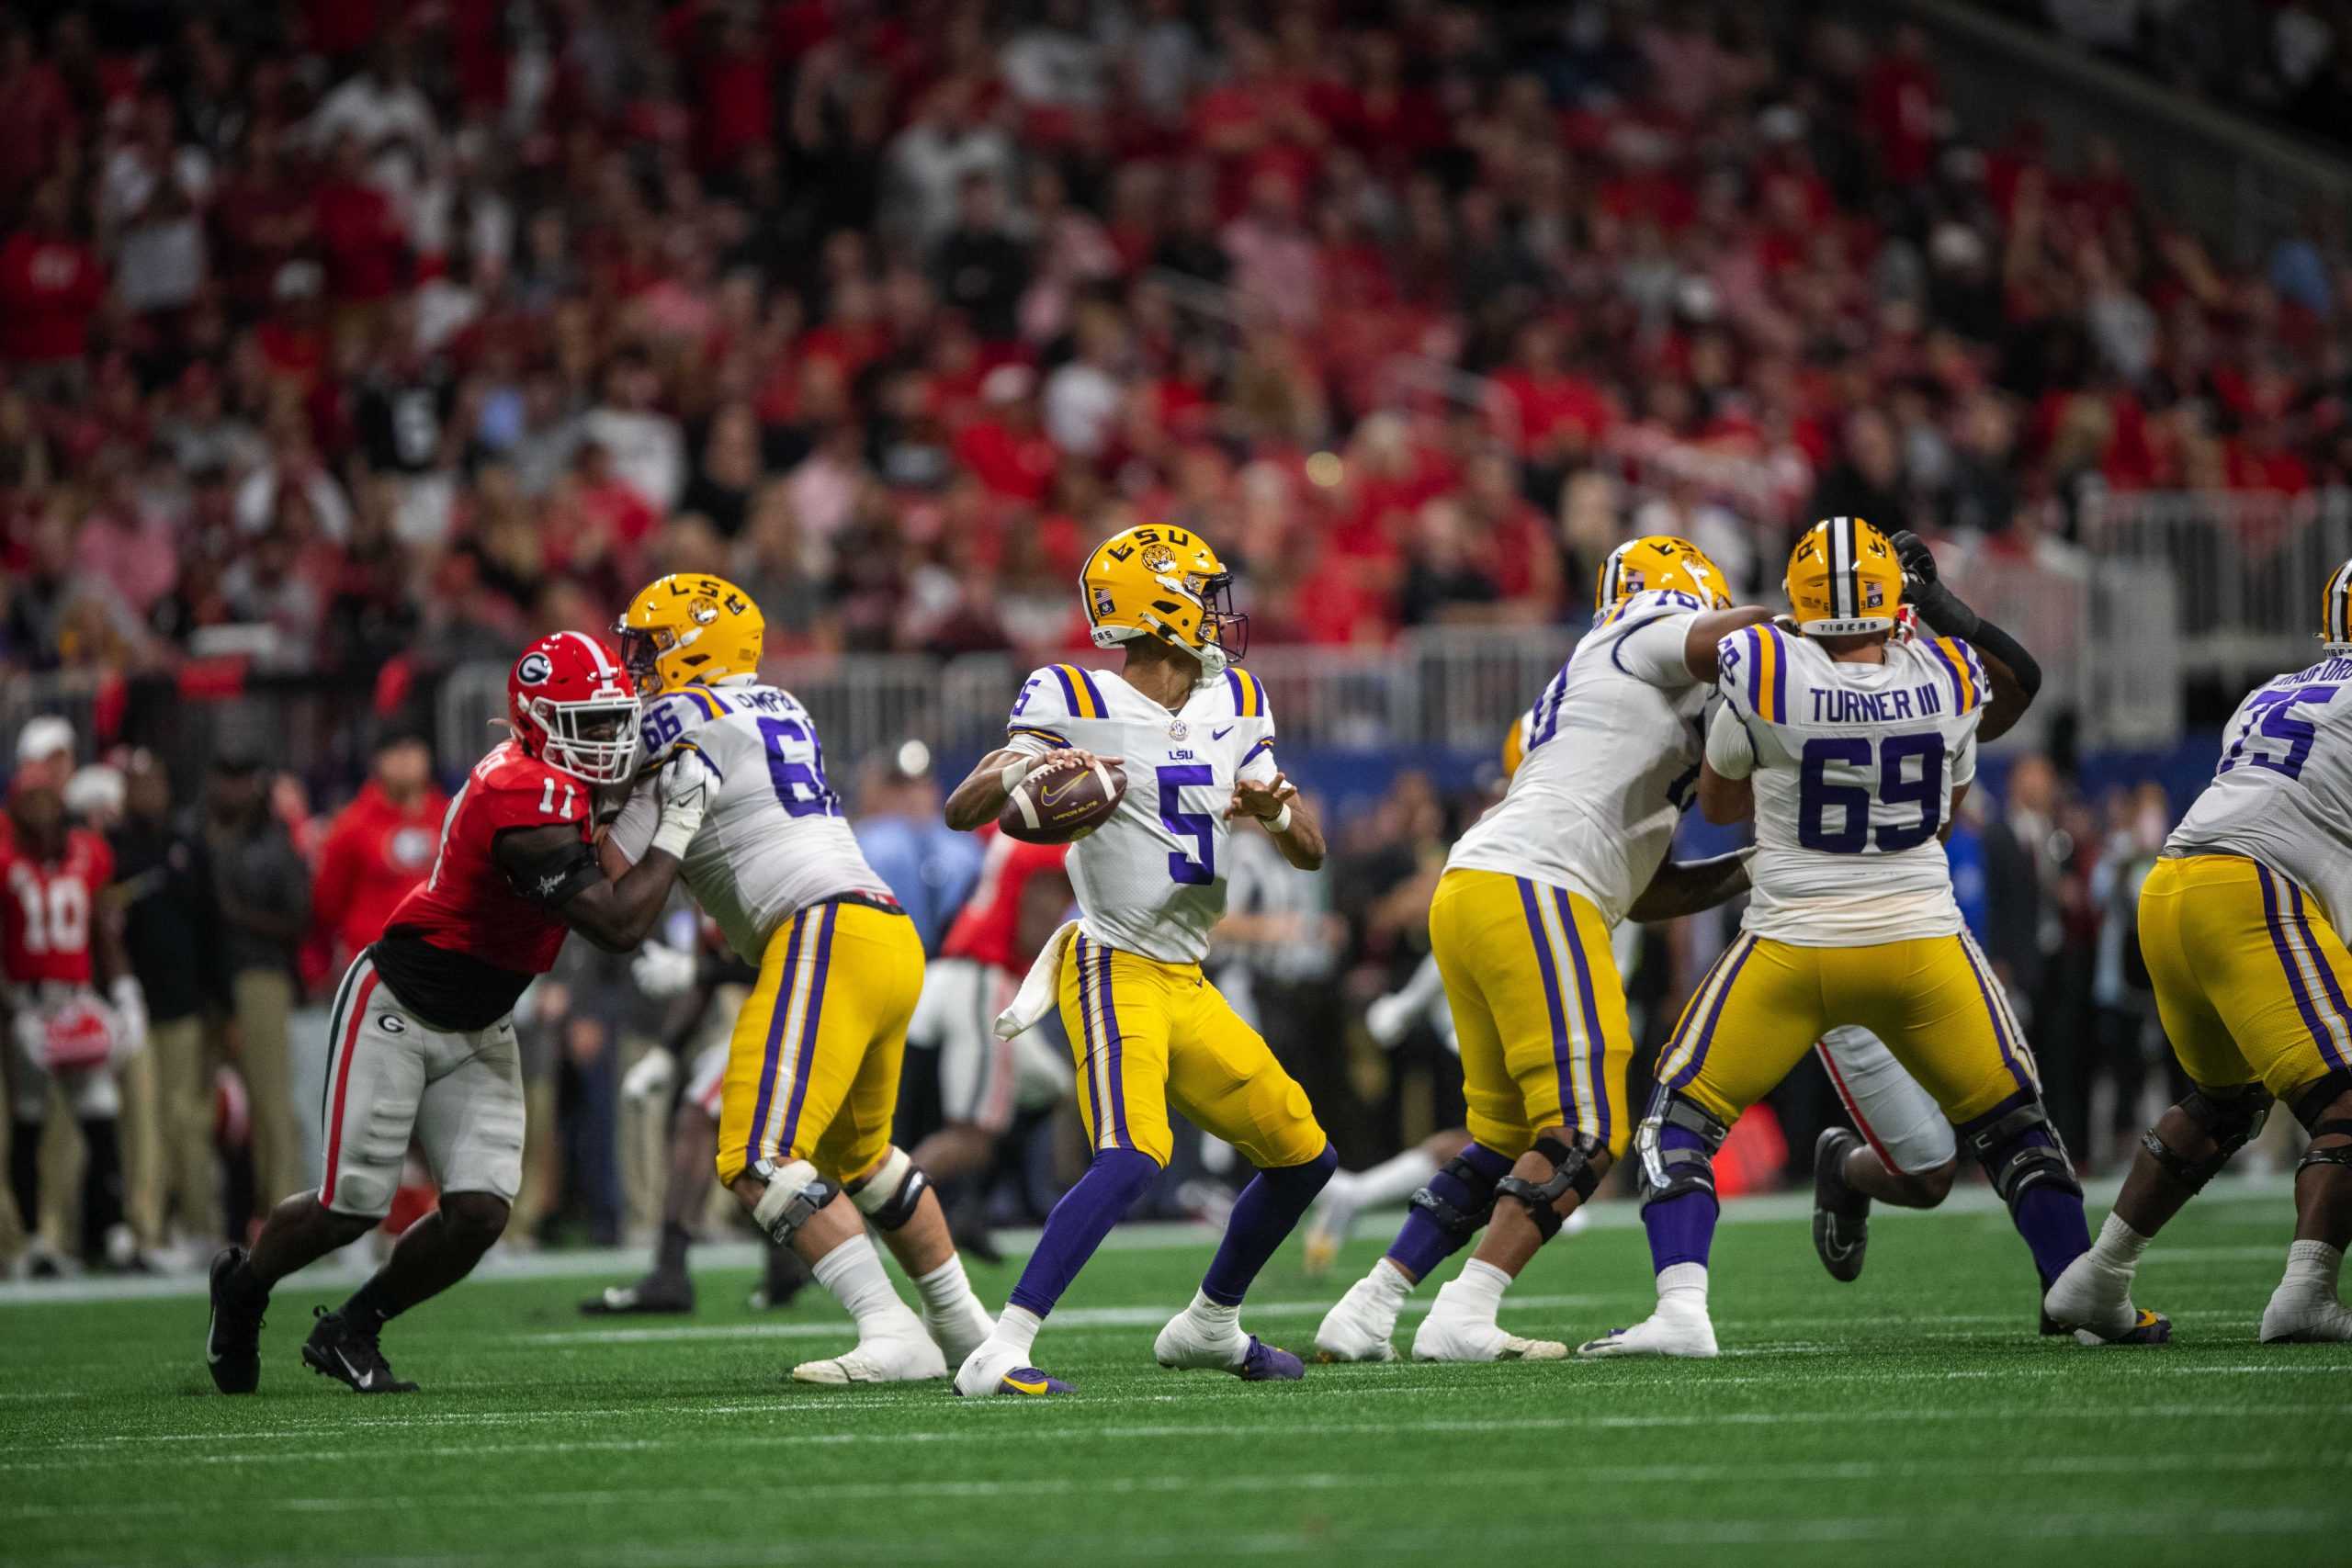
column 1271, row 1363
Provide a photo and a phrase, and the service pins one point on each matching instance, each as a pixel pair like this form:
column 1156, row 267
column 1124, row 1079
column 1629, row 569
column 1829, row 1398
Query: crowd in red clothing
column 362, row 335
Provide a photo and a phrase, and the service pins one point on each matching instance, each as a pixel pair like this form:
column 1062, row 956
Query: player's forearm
column 1685, row 887
column 618, row 915
column 1302, row 841
column 1724, row 801
column 1699, row 645
column 976, row 802
column 2011, row 695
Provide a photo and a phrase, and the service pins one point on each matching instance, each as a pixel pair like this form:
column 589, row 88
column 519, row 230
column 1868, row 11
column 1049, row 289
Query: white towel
column 1040, row 988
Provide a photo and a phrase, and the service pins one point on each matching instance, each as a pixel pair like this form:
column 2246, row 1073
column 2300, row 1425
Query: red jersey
column 460, row 948
column 375, row 854
column 45, row 919
column 988, row 929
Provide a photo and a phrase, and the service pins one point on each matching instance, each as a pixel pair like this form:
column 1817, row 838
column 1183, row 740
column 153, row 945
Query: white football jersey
column 1612, row 751
column 1854, row 768
column 2283, row 792
column 773, row 841
column 1151, row 879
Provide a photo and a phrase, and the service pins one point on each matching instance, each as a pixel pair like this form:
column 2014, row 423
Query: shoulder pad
column 1958, row 663
column 1754, row 672
column 1249, row 693
column 1053, row 696
column 1647, row 605
column 671, row 716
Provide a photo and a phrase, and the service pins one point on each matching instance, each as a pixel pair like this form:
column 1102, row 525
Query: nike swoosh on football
column 1221, row 734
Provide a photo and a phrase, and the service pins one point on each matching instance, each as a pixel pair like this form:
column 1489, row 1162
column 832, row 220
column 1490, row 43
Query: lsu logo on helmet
column 688, row 627
column 1166, row 582
column 1659, row 561
column 1844, row 580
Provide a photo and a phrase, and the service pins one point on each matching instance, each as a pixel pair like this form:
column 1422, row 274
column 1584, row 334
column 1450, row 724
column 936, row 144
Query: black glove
column 1938, row 605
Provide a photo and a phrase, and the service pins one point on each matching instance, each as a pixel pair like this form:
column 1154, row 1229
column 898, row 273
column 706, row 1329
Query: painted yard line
column 624, row 1263
column 1215, row 1430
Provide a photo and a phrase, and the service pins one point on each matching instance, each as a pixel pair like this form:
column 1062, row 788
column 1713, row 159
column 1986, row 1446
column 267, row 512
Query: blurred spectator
column 379, row 847
column 929, row 867
column 263, row 891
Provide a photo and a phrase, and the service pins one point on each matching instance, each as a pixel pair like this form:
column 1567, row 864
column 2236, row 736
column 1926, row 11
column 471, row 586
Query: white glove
column 130, row 1016
column 686, row 782
column 662, row 971
column 649, row 1081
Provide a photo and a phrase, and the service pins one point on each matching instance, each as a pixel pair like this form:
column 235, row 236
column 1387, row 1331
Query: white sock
column 853, row 1272
column 1683, row 1288
column 1018, row 1328
column 1476, row 1291
column 2311, row 1268
column 945, row 1289
column 1388, row 1282
column 2119, row 1246
column 1395, row 1179
column 1214, row 1314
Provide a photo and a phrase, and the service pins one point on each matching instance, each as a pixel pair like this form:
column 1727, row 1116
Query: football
column 1061, row 806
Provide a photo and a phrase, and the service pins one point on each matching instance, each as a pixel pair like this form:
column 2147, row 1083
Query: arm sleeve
column 1731, row 750
column 632, row 832
column 1651, row 648
column 550, row 874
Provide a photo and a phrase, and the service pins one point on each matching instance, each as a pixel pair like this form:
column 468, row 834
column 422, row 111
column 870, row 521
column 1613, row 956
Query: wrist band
column 1280, row 821
column 1013, row 773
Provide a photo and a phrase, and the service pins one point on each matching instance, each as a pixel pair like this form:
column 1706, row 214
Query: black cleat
column 338, row 1350
column 233, row 1339
column 1841, row 1216
column 659, row 1293
column 786, row 1278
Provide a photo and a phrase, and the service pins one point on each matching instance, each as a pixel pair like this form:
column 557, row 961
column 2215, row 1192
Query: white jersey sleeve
column 2283, row 793
column 775, row 840
column 1152, row 879
column 1854, row 770
column 1613, row 749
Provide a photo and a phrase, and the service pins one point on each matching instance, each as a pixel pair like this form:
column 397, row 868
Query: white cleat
column 1328, row 1221
column 1359, row 1328
column 999, row 1368
column 881, row 1358
column 1658, row 1334
column 1189, row 1343
column 961, row 1329
column 1444, row 1336
column 2095, row 1302
column 2304, row 1318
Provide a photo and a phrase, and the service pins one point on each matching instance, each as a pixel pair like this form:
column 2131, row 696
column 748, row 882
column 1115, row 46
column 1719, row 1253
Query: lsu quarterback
column 1196, row 739
column 812, row 1067
column 1521, row 929
column 1850, row 747
column 2241, row 924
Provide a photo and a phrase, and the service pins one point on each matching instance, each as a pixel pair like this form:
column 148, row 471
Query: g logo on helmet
column 534, row 669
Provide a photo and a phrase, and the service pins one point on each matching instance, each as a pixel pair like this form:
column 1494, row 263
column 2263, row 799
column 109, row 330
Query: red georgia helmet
column 574, row 708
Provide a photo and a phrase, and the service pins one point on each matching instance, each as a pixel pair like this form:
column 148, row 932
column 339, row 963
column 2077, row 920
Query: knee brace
column 1462, row 1216
column 2019, row 1150
column 1678, row 1141
column 2229, row 1118
column 794, row 1192
column 2314, row 1100
column 888, row 1196
column 1571, row 1170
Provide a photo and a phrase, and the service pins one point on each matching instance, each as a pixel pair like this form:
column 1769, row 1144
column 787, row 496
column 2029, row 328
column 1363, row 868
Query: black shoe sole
column 229, row 1377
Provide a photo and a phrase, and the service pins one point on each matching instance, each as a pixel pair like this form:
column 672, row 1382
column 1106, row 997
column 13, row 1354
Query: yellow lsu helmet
column 2335, row 611
column 1515, row 740
column 1161, row 581
column 1657, row 561
column 687, row 629
column 1844, row 580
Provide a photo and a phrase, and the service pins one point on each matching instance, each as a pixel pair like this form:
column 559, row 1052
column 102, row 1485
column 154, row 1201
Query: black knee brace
column 2231, row 1119
column 2314, row 1101
column 2019, row 1150
column 1458, row 1220
column 1672, row 1164
column 889, row 1197
column 1571, row 1170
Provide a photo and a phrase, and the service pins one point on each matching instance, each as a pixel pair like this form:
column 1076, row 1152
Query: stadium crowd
column 359, row 338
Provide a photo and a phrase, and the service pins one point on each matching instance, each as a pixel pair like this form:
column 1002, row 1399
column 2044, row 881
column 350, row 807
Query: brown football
column 1061, row 806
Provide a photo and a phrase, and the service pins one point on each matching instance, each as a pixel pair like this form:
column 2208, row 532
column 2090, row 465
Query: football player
column 812, row 1067
column 75, row 1012
column 422, row 1036
column 1848, row 748
column 1020, row 898
column 1521, row 926
column 2240, row 923
column 1146, row 1027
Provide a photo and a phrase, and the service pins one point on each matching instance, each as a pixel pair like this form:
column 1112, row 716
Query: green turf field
column 1913, row 1418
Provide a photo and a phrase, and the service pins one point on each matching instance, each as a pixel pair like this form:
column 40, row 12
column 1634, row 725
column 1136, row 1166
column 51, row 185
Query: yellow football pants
column 813, row 1068
column 2250, row 977
column 1538, row 1009
column 1145, row 1033
column 1932, row 1000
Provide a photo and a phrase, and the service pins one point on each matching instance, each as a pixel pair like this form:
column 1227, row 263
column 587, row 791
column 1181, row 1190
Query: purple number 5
column 1198, row 826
